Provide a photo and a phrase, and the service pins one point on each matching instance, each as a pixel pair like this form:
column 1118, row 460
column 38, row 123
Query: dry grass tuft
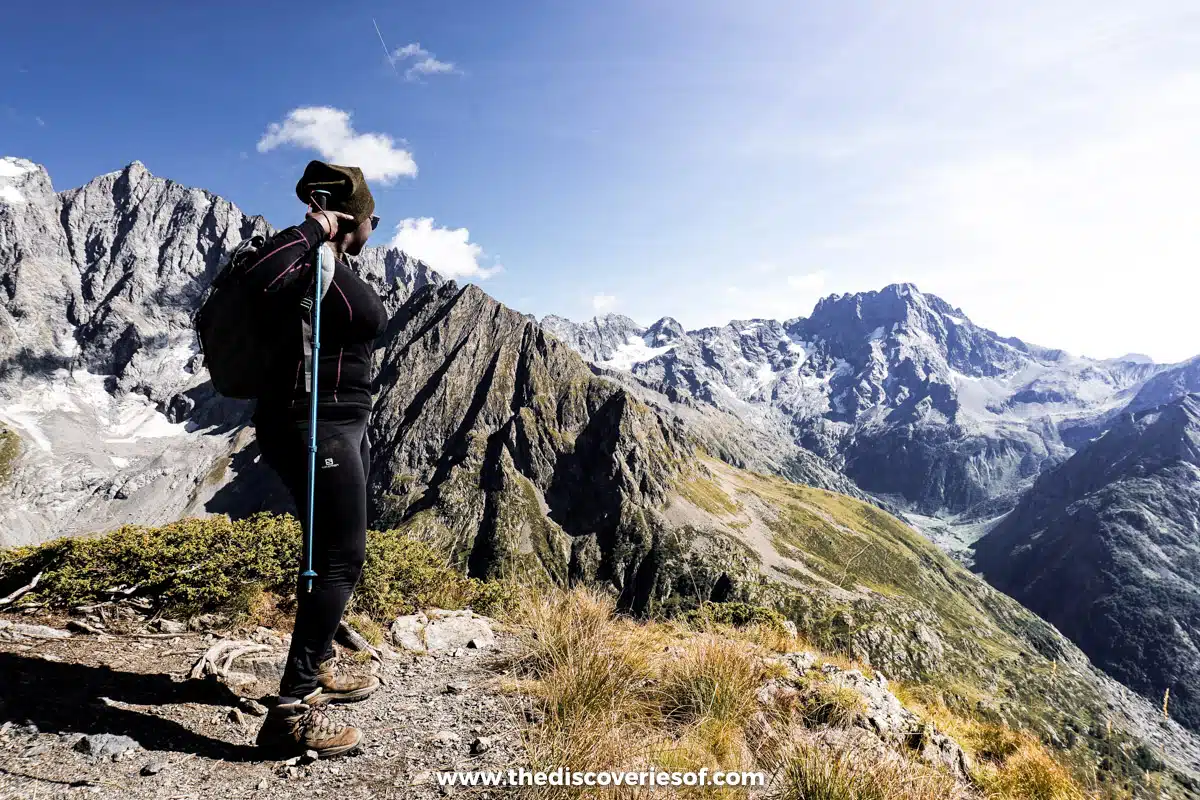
column 812, row 773
column 825, row 704
column 583, row 665
column 713, row 679
column 1011, row 765
column 1030, row 774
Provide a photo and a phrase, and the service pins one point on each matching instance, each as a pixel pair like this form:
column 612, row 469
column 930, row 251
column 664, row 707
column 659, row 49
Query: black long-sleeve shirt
column 352, row 318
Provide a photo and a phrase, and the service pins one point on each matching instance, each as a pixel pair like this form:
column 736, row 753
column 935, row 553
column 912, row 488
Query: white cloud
column 430, row 66
column 329, row 132
column 422, row 61
column 450, row 251
column 413, row 50
column 603, row 303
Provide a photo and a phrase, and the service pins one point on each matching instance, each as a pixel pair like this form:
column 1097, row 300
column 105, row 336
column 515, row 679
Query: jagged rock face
column 1107, row 548
column 596, row 339
column 501, row 433
column 99, row 367
column 897, row 388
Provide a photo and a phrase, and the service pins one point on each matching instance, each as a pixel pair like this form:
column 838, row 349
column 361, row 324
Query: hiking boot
column 343, row 688
column 292, row 728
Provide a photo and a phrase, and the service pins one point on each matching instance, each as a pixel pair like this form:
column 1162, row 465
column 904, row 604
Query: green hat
column 348, row 191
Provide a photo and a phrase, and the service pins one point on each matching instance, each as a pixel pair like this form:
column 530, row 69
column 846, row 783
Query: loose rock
column 105, row 745
column 17, row 630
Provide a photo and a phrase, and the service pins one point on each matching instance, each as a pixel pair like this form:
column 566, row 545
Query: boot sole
column 282, row 752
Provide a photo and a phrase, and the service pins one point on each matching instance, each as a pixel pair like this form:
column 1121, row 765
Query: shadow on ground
column 68, row 698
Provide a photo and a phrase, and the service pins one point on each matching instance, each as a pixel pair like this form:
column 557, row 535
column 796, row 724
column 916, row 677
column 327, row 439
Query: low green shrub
column 737, row 614
column 217, row 564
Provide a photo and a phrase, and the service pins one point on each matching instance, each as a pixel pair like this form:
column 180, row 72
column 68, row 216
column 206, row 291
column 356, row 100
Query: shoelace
column 316, row 721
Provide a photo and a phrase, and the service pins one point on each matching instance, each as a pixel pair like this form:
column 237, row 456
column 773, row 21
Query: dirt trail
column 197, row 736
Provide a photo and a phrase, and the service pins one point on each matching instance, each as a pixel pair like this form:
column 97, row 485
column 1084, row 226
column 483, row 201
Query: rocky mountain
column 524, row 460
column 99, row 369
column 897, row 388
column 1107, row 548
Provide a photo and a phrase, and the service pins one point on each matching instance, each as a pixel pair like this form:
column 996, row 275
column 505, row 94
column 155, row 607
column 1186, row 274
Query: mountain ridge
column 871, row 376
column 1105, row 548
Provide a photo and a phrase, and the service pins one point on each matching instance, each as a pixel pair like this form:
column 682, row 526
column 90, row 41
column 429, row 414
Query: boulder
column 440, row 630
column 450, row 630
column 408, row 632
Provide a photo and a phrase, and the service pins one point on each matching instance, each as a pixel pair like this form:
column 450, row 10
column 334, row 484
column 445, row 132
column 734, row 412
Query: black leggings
column 339, row 525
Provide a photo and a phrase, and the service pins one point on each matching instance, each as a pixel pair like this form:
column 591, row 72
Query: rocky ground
column 93, row 715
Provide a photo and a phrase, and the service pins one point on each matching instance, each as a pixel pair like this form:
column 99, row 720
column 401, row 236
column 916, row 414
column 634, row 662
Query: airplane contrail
column 386, row 52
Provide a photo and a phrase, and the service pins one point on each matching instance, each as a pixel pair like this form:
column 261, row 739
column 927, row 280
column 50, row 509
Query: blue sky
column 1033, row 163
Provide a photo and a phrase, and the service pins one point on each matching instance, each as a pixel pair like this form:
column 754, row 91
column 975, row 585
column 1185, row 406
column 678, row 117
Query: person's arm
column 283, row 260
column 360, row 313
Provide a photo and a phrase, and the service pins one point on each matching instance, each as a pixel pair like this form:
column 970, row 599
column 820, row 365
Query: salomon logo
column 329, row 463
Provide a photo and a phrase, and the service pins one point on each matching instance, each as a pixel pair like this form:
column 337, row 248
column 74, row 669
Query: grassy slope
column 858, row 581
column 674, row 695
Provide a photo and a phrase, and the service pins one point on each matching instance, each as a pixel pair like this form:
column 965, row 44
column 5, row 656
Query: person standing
column 352, row 318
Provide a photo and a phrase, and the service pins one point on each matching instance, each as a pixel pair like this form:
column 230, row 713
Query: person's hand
column 328, row 220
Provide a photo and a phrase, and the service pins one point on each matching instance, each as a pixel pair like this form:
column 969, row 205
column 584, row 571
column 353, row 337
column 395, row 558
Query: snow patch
column 764, row 376
column 11, row 169
column 633, row 351
column 119, row 462
column 20, row 418
column 129, row 418
column 10, row 195
column 15, row 167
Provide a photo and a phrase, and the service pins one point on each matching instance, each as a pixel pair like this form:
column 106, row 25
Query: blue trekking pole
column 321, row 199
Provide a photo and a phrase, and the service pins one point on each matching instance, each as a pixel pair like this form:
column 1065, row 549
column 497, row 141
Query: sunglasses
column 374, row 222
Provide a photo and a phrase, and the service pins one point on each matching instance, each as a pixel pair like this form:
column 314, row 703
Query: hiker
column 352, row 318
